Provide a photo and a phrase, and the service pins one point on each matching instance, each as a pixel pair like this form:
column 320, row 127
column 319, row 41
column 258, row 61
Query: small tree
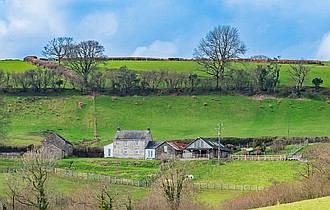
column 298, row 74
column 317, row 82
column 57, row 48
column 214, row 52
column 33, row 175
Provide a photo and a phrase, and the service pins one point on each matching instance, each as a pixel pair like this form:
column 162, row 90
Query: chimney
column 148, row 130
column 118, row 129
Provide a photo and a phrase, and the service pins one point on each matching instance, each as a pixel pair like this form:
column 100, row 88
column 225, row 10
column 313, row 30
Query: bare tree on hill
column 214, row 52
column 298, row 74
column 84, row 58
column 57, row 48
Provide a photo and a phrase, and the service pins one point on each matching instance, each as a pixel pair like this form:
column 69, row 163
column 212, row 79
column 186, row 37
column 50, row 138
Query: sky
column 295, row 29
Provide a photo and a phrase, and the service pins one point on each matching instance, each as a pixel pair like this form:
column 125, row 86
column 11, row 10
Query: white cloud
column 323, row 51
column 99, row 24
column 157, row 49
column 24, row 25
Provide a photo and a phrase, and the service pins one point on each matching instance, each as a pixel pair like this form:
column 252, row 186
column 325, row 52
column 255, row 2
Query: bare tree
column 84, row 57
column 57, row 48
column 298, row 74
column 36, row 169
column 214, row 52
column 173, row 183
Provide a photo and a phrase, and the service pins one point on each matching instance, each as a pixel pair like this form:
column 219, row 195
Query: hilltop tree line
column 262, row 78
column 78, row 67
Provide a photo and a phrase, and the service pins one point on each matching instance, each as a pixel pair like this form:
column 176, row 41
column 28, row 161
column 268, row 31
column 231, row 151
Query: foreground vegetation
column 282, row 178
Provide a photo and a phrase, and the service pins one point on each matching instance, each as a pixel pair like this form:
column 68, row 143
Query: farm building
column 170, row 150
column 139, row 144
column 57, row 145
column 129, row 144
column 205, row 148
column 150, row 152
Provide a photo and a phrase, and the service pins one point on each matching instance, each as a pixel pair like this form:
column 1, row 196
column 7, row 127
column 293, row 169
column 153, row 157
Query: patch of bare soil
column 263, row 97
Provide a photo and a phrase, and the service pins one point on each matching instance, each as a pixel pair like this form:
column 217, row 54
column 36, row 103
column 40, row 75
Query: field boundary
column 101, row 177
column 218, row 186
column 259, row 157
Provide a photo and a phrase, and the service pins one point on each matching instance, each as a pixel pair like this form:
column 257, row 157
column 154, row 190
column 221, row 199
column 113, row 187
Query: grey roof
column 54, row 137
column 214, row 143
column 132, row 134
column 154, row 144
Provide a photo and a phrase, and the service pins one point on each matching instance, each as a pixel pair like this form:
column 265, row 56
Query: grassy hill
column 169, row 117
column 313, row 204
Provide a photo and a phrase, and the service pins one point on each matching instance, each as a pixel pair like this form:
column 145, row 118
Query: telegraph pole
column 219, row 128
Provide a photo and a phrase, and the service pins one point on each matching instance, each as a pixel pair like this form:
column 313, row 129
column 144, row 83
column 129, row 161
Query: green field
column 237, row 172
column 15, row 65
column 261, row 173
column 190, row 66
column 169, row 117
column 313, row 204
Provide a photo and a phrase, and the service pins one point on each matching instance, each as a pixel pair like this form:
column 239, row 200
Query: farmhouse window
column 125, row 143
column 136, row 143
column 125, row 152
column 150, row 154
column 136, row 152
column 165, row 148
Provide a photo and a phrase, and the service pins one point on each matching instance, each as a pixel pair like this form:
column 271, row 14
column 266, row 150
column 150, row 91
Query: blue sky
column 295, row 29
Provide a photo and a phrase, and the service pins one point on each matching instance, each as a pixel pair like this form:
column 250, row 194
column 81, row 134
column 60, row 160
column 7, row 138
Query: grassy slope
column 169, row 117
column 313, row 204
column 121, row 168
column 238, row 172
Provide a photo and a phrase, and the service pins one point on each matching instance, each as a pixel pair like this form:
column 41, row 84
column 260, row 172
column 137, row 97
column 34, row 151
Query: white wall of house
column 150, row 154
column 108, row 150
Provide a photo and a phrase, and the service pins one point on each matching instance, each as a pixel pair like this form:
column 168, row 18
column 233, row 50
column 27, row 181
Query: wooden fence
column 100, row 177
column 259, row 157
column 228, row 186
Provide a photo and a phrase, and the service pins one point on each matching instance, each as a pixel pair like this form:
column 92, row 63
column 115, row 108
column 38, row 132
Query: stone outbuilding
column 57, row 145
